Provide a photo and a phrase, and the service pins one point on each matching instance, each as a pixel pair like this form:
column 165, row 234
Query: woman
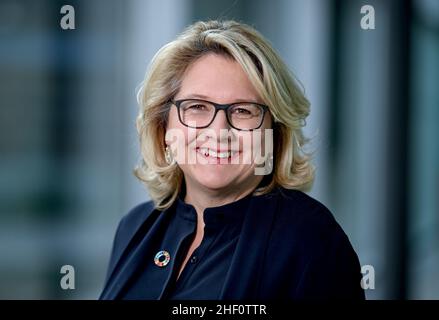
column 219, row 226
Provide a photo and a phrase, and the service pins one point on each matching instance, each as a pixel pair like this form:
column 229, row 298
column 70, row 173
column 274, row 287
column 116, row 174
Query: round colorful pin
column 162, row 258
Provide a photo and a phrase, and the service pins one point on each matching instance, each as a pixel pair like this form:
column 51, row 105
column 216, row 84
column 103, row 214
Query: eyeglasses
column 198, row 114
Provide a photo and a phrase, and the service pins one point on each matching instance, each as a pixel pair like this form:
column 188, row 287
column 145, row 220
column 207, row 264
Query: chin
column 215, row 178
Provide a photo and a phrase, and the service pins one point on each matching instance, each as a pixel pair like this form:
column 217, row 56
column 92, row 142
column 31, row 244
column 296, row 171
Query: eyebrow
column 203, row 97
column 197, row 96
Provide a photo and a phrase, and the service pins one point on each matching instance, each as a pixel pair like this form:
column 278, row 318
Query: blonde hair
column 268, row 74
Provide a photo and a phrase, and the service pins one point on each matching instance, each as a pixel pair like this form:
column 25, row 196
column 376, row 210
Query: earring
column 168, row 156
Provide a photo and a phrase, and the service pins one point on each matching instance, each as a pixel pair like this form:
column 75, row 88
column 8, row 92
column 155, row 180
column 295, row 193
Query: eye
column 241, row 111
column 197, row 107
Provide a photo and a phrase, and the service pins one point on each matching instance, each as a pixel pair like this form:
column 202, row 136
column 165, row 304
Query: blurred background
column 68, row 142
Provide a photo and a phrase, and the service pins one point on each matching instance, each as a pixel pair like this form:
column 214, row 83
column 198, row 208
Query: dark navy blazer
column 290, row 247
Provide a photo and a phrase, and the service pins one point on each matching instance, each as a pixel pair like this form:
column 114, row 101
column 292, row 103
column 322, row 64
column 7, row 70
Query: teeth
column 210, row 153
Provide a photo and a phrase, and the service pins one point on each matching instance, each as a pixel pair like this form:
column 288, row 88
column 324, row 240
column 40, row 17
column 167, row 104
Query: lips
column 218, row 156
column 209, row 153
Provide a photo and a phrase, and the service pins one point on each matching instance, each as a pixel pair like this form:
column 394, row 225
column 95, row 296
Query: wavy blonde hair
column 268, row 74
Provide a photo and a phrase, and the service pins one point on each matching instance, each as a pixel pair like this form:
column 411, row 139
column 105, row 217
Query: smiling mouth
column 209, row 153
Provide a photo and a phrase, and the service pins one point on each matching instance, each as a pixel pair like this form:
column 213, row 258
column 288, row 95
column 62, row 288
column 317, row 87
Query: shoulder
column 126, row 229
column 132, row 220
column 137, row 215
column 130, row 223
column 304, row 221
column 311, row 247
column 298, row 208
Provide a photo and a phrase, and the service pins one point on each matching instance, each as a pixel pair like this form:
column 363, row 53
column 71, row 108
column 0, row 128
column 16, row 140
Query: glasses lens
column 195, row 113
column 242, row 116
column 246, row 116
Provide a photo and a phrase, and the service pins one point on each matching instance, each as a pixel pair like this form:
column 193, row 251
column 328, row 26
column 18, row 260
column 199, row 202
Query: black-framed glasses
column 198, row 114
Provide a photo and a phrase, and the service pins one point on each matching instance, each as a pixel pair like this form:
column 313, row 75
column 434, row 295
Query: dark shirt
column 281, row 245
column 205, row 271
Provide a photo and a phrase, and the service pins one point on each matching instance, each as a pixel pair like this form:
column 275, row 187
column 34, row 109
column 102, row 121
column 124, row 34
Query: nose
column 220, row 121
column 220, row 126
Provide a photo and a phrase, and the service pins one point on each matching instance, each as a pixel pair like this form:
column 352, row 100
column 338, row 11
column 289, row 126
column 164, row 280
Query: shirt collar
column 214, row 216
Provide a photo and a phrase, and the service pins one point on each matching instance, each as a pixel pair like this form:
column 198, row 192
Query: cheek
column 173, row 121
column 257, row 146
column 180, row 138
column 267, row 135
column 175, row 135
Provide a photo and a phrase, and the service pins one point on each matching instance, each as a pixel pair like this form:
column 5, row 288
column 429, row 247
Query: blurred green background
column 68, row 141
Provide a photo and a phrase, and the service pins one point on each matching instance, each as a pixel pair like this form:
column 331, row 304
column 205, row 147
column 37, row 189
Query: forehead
column 218, row 78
